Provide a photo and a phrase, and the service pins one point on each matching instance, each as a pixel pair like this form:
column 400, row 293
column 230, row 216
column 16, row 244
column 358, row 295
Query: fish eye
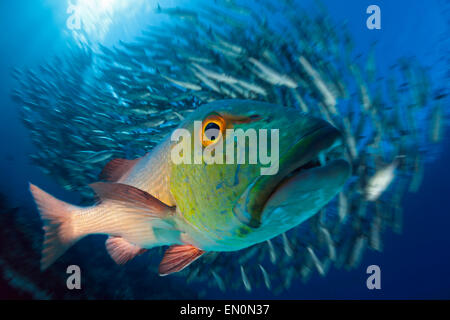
column 212, row 131
column 213, row 127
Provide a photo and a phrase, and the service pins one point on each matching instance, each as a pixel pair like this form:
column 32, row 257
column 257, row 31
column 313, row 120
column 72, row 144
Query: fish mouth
column 320, row 159
column 317, row 149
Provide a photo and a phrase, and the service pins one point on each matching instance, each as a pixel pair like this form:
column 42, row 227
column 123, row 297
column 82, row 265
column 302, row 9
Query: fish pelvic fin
column 178, row 257
column 57, row 217
column 133, row 197
column 122, row 251
column 116, row 169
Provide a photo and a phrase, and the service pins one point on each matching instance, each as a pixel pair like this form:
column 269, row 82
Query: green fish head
column 237, row 196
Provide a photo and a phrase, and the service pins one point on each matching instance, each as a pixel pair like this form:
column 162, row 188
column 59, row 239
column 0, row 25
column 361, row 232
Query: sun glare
column 95, row 17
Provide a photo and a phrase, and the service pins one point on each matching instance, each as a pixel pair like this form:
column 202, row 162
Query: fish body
column 268, row 74
column 436, row 124
column 380, row 181
column 199, row 207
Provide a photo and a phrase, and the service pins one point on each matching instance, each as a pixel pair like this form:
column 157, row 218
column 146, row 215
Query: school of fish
column 96, row 104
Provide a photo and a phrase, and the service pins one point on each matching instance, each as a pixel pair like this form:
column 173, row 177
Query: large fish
column 196, row 208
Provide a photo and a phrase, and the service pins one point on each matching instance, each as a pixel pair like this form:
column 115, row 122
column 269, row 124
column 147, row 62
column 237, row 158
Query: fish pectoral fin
column 116, row 168
column 133, row 198
column 122, row 251
column 178, row 257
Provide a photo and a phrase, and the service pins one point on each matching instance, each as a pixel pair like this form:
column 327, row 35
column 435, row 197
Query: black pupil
column 212, row 130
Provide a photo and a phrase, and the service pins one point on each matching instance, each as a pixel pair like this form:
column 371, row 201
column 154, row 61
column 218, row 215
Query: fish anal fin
column 122, row 251
column 133, row 197
column 116, row 169
column 178, row 257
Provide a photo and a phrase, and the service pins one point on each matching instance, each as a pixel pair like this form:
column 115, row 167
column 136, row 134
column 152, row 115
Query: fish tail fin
column 57, row 217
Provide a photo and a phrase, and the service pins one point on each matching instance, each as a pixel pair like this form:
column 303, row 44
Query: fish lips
column 252, row 206
column 301, row 195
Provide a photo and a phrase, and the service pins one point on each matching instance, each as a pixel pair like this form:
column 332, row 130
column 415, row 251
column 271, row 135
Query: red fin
column 133, row 196
column 57, row 218
column 116, row 169
column 122, row 251
column 178, row 257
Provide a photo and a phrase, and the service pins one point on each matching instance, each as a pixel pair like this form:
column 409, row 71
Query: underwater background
column 414, row 258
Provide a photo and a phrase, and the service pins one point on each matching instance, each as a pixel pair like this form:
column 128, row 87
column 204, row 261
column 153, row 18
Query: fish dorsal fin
column 116, row 169
column 132, row 197
column 178, row 257
column 122, row 251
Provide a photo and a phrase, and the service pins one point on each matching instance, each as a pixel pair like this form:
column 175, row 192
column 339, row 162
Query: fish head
column 237, row 194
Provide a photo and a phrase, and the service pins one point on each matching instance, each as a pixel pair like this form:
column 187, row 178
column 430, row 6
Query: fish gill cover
column 96, row 103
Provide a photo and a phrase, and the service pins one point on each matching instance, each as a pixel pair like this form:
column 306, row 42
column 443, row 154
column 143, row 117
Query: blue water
column 414, row 264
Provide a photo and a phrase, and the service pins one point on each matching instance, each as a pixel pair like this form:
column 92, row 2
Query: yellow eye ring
column 213, row 128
